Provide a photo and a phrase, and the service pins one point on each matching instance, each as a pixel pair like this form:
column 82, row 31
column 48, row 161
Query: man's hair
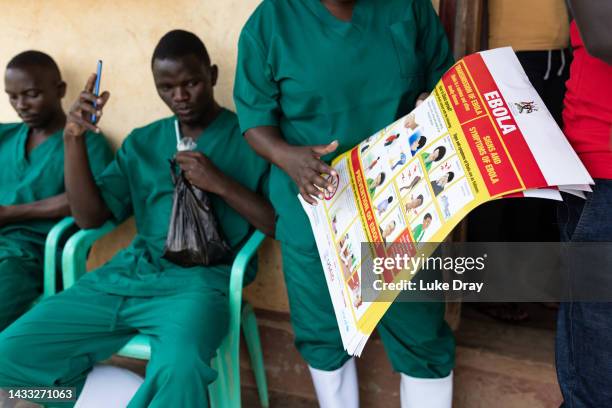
column 31, row 58
column 451, row 176
column 180, row 43
column 390, row 199
column 422, row 141
column 428, row 215
column 382, row 178
column 441, row 152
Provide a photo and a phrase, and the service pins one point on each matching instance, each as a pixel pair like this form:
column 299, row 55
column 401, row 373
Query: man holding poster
column 315, row 78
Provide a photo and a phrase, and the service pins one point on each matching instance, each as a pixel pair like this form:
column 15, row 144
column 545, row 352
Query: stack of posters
column 483, row 134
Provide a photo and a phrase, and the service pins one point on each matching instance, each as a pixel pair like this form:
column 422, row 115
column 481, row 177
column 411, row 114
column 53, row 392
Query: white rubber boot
column 108, row 387
column 426, row 392
column 338, row 388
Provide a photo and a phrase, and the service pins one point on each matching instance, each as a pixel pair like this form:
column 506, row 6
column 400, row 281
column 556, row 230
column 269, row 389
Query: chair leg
column 251, row 335
column 218, row 390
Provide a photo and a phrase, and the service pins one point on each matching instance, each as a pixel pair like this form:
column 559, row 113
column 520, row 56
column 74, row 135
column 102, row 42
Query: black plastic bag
column 193, row 237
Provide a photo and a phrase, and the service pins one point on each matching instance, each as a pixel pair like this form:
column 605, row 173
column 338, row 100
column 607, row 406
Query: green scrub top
column 37, row 176
column 418, row 233
column 371, row 186
column 322, row 79
column 138, row 182
column 428, row 165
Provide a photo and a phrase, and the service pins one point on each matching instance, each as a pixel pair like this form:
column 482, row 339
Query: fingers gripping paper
column 483, row 134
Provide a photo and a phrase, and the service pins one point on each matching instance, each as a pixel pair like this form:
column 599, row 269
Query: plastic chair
column 55, row 237
column 225, row 391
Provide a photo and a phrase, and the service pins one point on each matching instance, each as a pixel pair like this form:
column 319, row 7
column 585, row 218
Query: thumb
column 322, row 150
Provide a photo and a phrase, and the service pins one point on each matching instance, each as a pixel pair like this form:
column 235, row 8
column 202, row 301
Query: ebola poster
column 482, row 134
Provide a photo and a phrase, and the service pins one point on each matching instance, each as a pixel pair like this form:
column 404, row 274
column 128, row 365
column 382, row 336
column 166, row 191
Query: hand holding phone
column 87, row 109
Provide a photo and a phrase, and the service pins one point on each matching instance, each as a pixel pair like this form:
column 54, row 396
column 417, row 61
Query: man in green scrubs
column 183, row 310
column 314, row 78
column 32, row 194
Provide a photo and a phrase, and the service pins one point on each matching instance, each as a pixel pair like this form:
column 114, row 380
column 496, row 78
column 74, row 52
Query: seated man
column 32, row 196
column 183, row 310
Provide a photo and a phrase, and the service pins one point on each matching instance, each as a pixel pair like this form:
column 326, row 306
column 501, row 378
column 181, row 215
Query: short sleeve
column 255, row 91
column 114, row 186
column 98, row 152
column 433, row 43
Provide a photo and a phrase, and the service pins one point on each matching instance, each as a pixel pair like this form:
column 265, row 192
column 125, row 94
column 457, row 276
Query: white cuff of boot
column 426, row 392
column 338, row 388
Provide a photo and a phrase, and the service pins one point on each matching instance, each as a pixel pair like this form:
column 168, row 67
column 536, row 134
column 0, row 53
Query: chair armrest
column 74, row 258
column 240, row 264
column 55, row 236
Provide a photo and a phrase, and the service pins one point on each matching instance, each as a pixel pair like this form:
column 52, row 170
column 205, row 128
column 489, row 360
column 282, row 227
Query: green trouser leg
column 20, row 285
column 417, row 340
column 186, row 330
column 59, row 340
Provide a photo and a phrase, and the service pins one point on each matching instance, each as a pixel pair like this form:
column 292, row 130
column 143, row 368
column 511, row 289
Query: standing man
column 32, row 196
column 315, row 78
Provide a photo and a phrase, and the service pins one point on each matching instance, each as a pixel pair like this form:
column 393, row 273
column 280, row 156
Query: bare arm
column 202, row 173
column 86, row 203
column 49, row 208
column 593, row 18
column 302, row 163
column 257, row 210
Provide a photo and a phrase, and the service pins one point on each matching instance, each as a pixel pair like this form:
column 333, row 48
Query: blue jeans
column 584, row 329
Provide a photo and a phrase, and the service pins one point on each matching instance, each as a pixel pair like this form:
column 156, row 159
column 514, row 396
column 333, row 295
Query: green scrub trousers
column 320, row 79
column 26, row 179
column 58, row 341
column 184, row 310
column 20, row 283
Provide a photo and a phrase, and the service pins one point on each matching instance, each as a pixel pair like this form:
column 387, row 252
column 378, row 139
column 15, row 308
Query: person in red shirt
column 584, row 329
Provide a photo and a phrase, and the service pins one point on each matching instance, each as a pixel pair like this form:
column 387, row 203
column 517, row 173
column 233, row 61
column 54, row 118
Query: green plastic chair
column 225, row 391
column 55, row 238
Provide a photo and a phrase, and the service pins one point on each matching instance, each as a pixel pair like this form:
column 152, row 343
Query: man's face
column 426, row 222
column 443, row 180
column 185, row 85
column 35, row 93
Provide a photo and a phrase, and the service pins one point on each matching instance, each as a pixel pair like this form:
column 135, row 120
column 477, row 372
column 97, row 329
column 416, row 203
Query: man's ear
column 61, row 89
column 214, row 74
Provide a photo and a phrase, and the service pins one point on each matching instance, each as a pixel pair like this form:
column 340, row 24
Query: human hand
column 201, row 172
column 79, row 117
column 304, row 165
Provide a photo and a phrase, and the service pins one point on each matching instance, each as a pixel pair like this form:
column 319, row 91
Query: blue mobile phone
column 97, row 86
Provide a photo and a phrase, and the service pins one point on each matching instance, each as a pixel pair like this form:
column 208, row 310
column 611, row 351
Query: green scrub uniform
column 428, row 165
column 25, row 179
column 184, row 310
column 321, row 79
column 418, row 233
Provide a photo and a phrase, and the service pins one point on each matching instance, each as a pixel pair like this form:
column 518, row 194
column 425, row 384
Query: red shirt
column 587, row 116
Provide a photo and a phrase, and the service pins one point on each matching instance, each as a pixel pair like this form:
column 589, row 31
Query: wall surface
column 123, row 34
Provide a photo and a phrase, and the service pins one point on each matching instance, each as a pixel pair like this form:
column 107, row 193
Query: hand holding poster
column 483, row 134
